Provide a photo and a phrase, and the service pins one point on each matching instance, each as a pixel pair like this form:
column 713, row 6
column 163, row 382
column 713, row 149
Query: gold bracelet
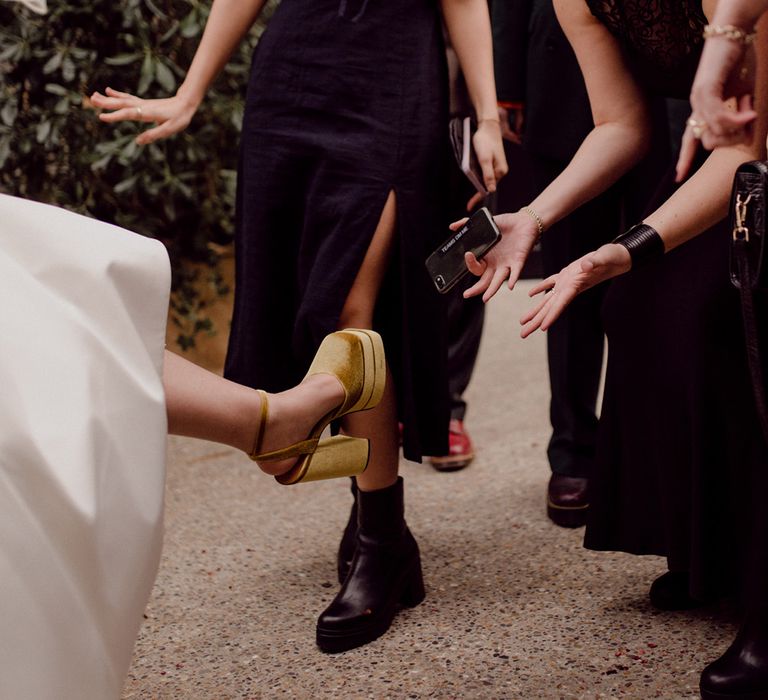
column 488, row 119
column 730, row 32
column 535, row 217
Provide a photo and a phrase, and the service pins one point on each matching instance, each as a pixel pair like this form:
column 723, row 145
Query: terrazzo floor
column 515, row 607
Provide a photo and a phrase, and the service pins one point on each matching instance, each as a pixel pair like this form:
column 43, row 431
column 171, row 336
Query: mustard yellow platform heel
column 356, row 358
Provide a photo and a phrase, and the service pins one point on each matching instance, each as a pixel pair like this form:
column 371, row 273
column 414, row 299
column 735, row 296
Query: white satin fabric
column 39, row 6
column 82, row 448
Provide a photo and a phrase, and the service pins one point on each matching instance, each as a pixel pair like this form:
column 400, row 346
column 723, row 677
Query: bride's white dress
column 82, row 448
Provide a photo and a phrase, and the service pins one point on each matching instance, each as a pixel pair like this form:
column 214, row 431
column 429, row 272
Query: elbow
column 631, row 139
column 640, row 138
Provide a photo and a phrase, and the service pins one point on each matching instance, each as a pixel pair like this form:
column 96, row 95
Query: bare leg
column 204, row 405
column 379, row 425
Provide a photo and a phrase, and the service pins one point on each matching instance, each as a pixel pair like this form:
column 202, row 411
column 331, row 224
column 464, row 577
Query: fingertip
column 746, row 116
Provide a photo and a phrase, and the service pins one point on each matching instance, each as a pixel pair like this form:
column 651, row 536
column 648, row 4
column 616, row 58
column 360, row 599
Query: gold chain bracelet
column 535, row 217
column 730, row 32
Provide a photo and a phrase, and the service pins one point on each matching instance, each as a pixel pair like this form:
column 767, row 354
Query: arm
column 696, row 205
column 618, row 141
column 228, row 22
column 469, row 28
column 622, row 131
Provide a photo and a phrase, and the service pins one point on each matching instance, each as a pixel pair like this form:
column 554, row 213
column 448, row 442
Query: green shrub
column 54, row 149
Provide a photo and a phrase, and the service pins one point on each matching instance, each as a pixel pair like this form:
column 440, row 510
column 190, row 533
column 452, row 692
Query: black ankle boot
column 348, row 539
column 742, row 672
column 670, row 591
column 385, row 575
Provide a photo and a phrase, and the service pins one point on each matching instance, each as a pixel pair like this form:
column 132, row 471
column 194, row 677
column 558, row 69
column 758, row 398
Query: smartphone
column 446, row 265
column 461, row 142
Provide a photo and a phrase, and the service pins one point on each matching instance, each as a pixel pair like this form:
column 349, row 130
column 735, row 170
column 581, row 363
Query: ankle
column 322, row 389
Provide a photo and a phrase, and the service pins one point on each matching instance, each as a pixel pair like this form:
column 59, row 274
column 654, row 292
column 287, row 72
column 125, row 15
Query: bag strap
column 739, row 249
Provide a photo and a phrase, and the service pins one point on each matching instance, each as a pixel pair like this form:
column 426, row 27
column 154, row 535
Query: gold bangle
column 489, row 119
column 730, row 32
column 535, row 217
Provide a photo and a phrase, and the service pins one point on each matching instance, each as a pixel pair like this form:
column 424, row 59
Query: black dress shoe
column 742, row 672
column 567, row 500
column 385, row 575
column 670, row 591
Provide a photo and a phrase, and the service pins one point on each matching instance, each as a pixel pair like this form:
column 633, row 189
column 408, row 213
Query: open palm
column 562, row 288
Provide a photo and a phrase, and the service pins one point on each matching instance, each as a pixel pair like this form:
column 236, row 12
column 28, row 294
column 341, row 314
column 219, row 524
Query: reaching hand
column 171, row 114
column 506, row 259
column 560, row 290
column 721, row 98
column 490, row 152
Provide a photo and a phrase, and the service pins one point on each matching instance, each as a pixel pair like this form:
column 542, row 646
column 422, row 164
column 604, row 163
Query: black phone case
column 446, row 265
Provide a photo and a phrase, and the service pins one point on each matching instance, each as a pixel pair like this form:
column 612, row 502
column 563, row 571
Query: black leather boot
column 742, row 672
column 385, row 574
column 348, row 539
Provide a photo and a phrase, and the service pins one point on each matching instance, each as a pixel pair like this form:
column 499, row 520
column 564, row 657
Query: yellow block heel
column 356, row 358
column 337, row 456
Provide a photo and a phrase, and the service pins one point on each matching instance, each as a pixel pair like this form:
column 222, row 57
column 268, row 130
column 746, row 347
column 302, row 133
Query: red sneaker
column 460, row 450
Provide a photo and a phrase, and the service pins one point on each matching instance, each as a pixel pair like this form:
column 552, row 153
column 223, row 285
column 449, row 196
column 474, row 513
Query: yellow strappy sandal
column 356, row 358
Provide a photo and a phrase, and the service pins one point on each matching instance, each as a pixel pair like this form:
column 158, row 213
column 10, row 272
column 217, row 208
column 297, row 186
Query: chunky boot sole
column 755, row 695
column 332, row 641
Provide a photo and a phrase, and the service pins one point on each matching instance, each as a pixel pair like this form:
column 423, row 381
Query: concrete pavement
column 515, row 607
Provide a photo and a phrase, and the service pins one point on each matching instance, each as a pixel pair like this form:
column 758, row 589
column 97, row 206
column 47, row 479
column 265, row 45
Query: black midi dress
column 680, row 457
column 347, row 102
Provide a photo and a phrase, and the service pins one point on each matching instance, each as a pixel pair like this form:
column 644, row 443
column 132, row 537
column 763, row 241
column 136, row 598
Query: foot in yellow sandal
column 355, row 358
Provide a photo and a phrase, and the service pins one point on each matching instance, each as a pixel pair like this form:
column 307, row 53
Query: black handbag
column 748, row 264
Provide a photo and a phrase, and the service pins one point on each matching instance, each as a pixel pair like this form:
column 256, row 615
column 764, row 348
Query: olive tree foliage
column 54, row 149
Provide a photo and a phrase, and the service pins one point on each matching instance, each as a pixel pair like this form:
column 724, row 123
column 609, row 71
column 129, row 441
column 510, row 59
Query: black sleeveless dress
column 680, row 458
column 347, row 101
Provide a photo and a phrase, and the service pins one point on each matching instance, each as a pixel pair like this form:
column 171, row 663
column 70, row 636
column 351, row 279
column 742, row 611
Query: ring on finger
column 698, row 126
column 138, row 112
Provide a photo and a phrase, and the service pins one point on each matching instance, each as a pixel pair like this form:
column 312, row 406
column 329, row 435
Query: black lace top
column 661, row 39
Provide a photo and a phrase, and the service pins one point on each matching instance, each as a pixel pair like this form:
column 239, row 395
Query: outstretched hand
column 171, row 115
column 504, row 262
column 562, row 288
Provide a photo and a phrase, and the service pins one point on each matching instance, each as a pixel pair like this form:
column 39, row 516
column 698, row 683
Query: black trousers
column 465, row 327
column 575, row 342
column 465, row 316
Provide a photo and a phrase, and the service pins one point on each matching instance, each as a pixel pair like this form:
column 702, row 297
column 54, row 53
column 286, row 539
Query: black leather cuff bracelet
column 643, row 243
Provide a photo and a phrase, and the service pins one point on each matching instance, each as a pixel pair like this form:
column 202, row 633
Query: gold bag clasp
column 741, row 216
